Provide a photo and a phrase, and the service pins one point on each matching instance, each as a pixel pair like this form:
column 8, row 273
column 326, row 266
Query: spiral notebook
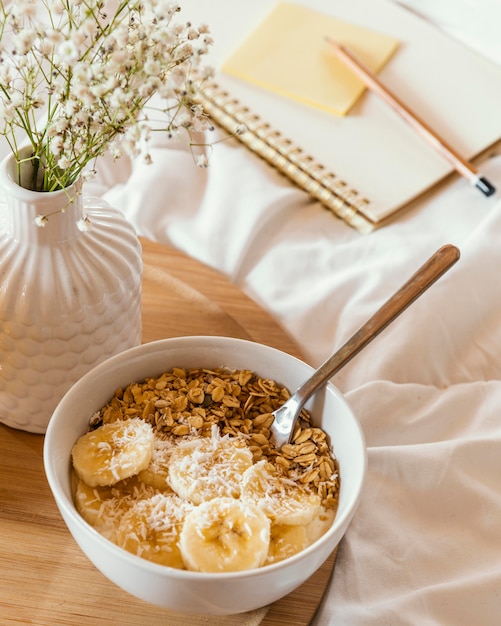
column 366, row 165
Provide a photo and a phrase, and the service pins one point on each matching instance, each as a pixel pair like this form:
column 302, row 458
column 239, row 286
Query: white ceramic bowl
column 180, row 590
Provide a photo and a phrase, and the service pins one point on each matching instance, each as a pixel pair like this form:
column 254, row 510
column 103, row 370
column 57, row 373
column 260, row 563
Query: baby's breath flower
column 152, row 67
column 5, row 75
column 56, row 145
column 57, row 7
column 67, row 52
column 200, row 124
column 22, row 41
column 84, row 93
column 27, row 8
column 183, row 119
column 53, row 36
column 202, row 161
column 89, row 174
column 17, row 99
column 64, row 162
column 92, row 67
column 184, row 51
column 84, row 224
column 207, row 72
column 7, row 112
column 41, row 221
column 45, row 46
column 115, row 151
column 146, row 89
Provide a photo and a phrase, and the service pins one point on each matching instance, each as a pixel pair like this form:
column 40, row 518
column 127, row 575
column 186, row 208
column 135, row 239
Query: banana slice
column 112, row 452
column 320, row 524
column 283, row 500
column 151, row 529
column 202, row 469
column 157, row 471
column 225, row 535
column 103, row 507
column 285, row 541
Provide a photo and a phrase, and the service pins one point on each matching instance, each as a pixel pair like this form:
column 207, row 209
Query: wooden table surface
column 44, row 577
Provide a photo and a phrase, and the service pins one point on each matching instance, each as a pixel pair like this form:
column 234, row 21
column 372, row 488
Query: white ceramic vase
column 69, row 298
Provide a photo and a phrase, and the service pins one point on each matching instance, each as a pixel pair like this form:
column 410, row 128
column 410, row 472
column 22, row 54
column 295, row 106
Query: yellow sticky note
column 288, row 55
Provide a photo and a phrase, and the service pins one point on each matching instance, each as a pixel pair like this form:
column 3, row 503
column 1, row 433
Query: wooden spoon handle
column 425, row 276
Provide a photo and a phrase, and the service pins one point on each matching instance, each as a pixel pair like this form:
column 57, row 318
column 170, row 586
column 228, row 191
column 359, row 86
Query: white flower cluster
column 81, row 77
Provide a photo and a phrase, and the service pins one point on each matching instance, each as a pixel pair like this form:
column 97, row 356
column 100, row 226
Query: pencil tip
column 485, row 186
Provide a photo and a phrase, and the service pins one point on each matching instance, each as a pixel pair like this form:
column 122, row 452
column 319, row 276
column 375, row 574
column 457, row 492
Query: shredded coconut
column 210, row 432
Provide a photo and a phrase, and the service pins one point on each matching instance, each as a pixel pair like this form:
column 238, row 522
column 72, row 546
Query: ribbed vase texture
column 68, row 298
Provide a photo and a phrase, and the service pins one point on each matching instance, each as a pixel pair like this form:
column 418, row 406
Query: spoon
column 287, row 415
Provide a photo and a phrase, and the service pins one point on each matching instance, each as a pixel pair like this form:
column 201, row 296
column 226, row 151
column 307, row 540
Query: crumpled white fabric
column 424, row 546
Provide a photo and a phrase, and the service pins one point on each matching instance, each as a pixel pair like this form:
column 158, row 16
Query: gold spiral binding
column 287, row 158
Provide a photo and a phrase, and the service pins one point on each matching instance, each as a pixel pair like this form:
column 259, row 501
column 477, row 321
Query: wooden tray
column 44, row 578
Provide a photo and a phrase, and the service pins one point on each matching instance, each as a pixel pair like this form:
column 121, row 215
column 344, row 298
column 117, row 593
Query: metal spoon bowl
column 287, row 415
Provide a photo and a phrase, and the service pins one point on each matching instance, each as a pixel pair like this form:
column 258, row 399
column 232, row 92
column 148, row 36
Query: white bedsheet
column 425, row 545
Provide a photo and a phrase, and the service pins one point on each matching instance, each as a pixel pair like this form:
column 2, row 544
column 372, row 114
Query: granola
column 189, row 402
